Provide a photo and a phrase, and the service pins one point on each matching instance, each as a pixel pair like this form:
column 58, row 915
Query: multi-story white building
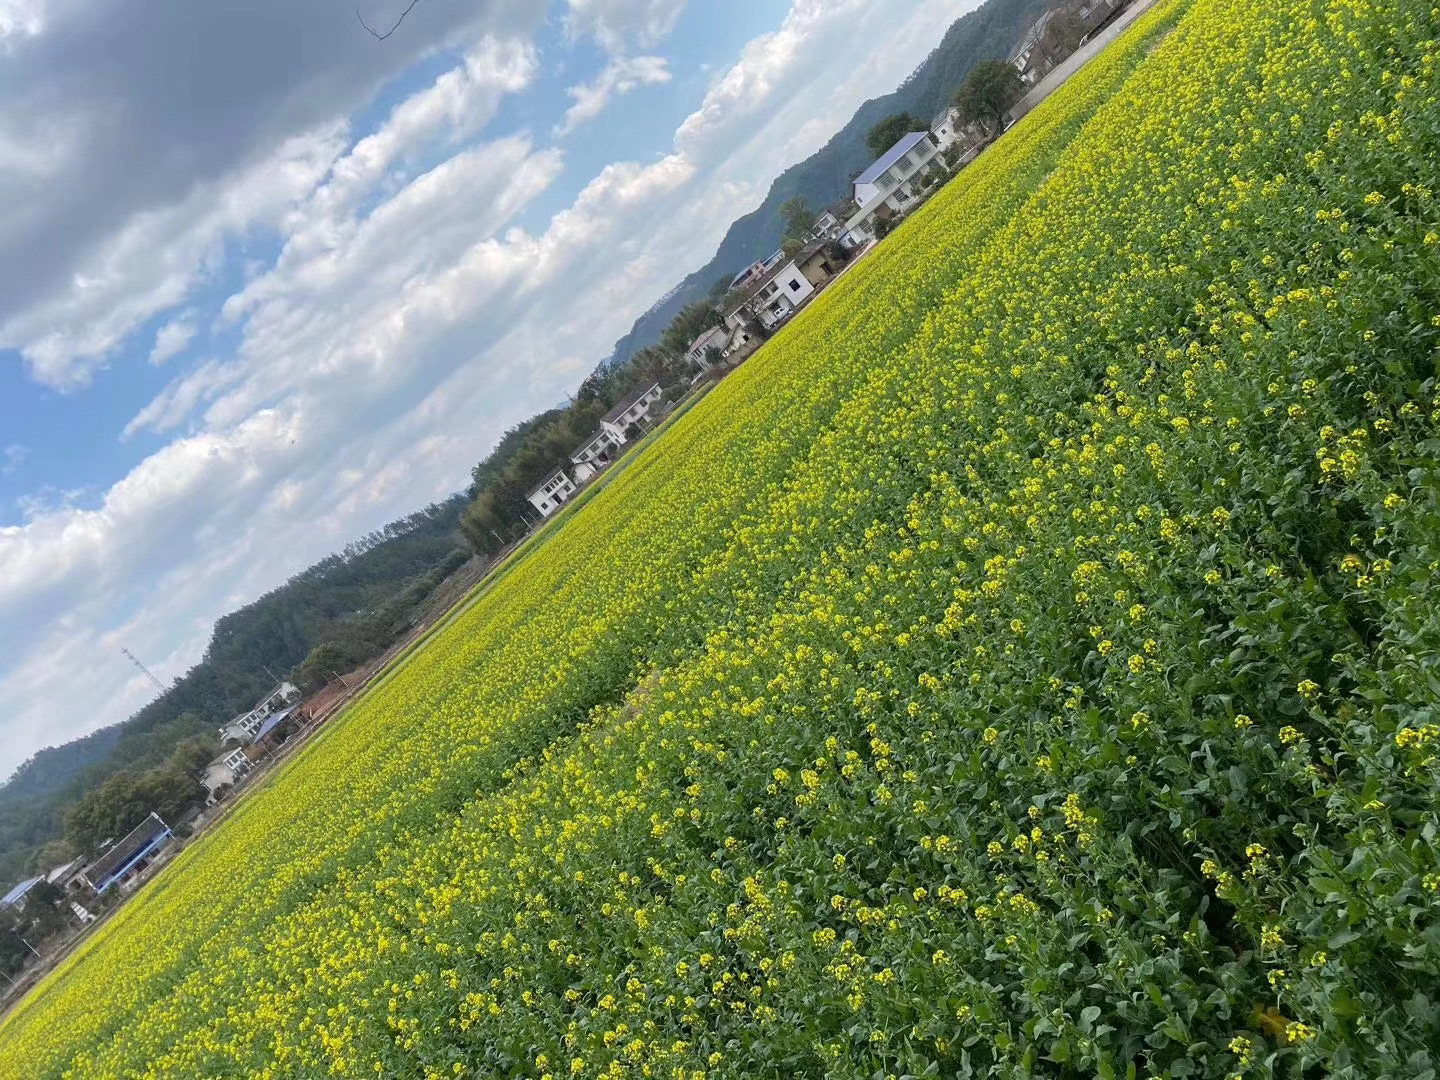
column 717, row 337
column 590, row 458
column 551, row 495
column 628, row 412
column 780, row 295
column 225, row 771
column 888, row 187
column 245, row 727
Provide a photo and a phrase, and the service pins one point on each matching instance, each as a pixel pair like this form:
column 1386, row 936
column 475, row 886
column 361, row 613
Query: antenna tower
column 148, row 673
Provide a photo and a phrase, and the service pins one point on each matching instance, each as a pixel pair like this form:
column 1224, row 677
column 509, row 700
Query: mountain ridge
column 982, row 34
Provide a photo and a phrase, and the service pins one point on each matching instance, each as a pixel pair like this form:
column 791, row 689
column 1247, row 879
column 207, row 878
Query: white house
column 717, row 337
column 589, row 458
column 741, row 344
column 551, row 495
column 629, row 411
column 245, row 727
column 946, row 128
column 784, row 290
column 827, row 226
column 225, row 770
column 1024, row 51
column 123, row 863
column 887, row 188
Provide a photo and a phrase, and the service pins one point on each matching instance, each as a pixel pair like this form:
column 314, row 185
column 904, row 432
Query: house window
column 886, row 182
column 794, row 286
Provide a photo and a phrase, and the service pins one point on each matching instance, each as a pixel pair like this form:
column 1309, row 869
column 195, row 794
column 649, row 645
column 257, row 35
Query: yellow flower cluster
column 877, row 719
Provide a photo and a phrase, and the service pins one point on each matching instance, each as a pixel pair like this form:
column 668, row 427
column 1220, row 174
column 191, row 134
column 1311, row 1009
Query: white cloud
column 404, row 325
column 769, row 62
column 158, row 258
column 616, row 24
column 155, row 261
column 172, row 338
column 12, row 457
column 620, row 76
column 170, row 409
column 19, row 17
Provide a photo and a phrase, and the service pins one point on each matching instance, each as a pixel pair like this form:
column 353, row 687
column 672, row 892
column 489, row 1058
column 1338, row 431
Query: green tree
column 324, row 662
column 688, row 324
column 797, row 218
column 992, row 87
column 889, row 131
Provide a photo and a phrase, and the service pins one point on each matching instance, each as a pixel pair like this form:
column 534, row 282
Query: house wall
column 742, row 344
column 715, row 338
column 790, row 289
column 218, row 776
column 591, row 452
column 616, row 428
column 814, row 270
column 899, row 198
column 552, row 495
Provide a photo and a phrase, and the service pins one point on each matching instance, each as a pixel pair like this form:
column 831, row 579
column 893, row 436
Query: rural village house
column 552, row 493
column 225, row 771
column 123, row 862
column 781, row 292
column 717, row 338
column 888, row 188
column 630, row 410
column 245, row 727
column 16, row 897
column 590, row 458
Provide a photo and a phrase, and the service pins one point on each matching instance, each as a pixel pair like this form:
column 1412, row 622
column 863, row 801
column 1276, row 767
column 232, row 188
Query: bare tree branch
column 395, row 26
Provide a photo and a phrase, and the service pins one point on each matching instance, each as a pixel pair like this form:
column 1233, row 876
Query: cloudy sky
column 267, row 283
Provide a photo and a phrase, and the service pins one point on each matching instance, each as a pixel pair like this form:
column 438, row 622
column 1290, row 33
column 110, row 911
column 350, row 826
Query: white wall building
column 629, row 411
column 946, row 128
column 226, row 769
column 245, row 726
column 717, row 337
column 589, row 458
column 826, row 227
column 755, row 271
column 551, row 495
column 1020, row 56
column 776, row 299
column 888, row 187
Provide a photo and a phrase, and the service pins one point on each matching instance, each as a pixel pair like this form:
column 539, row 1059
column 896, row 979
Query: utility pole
column 148, row 673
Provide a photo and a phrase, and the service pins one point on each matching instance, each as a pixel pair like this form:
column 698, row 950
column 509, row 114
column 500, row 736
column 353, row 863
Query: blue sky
column 267, row 283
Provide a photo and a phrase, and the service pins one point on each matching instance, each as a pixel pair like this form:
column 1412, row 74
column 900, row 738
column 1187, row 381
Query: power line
column 148, row 673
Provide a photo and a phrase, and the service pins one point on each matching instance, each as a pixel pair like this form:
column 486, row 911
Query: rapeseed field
column 1027, row 665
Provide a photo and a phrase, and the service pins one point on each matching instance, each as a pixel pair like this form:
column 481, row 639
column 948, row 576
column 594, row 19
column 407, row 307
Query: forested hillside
column 359, row 600
column 987, row 32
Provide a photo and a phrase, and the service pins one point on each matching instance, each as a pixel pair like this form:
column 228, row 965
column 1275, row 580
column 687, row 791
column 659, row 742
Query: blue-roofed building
column 243, row 728
column 882, row 175
column 15, row 898
column 123, row 862
column 890, row 187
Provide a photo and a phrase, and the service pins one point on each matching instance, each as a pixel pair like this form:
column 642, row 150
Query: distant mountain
column 985, row 33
